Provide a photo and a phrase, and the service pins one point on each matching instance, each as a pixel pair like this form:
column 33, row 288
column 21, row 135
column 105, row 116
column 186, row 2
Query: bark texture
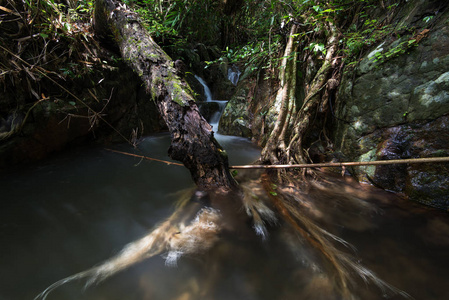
column 296, row 117
column 193, row 141
column 285, row 99
column 311, row 103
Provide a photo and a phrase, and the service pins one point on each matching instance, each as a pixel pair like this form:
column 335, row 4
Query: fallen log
column 193, row 141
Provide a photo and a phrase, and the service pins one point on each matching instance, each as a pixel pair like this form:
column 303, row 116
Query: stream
column 68, row 213
column 75, row 210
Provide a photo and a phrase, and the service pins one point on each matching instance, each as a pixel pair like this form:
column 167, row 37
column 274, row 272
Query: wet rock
column 247, row 113
column 236, row 116
column 11, row 122
column 427, row 183
column 208, row 109
column 60, row 121
column 216, row 78
column 203, row 52
column 399, row 109
column 239, row 127
column 180, row 67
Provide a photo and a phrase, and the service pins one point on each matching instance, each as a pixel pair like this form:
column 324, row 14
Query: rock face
column 247, row 113
column 236, row 117
column 400, row 109
column 61, row 121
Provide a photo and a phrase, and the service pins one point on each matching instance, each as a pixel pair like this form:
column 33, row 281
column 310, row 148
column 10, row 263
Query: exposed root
column 197, row 237
column 297, row 209
column 306, row 211
column 258, row 211
column 177, row 236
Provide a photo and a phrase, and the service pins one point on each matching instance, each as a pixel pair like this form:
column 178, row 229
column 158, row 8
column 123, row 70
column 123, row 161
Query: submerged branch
column 146, row 157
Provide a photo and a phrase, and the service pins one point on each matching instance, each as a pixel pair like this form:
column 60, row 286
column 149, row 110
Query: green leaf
column 427, row 19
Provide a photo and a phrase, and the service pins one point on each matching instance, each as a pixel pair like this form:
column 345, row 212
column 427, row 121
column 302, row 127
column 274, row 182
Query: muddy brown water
column 66, row 214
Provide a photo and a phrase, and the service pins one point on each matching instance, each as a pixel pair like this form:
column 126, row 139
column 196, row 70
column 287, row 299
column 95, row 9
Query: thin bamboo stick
column 146, row 157
column 317, row 165
column 346, row 164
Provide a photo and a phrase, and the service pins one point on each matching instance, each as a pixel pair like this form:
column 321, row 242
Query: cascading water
column 215, row 116
column 215, row 119
column 234, row 74
column 207, row 91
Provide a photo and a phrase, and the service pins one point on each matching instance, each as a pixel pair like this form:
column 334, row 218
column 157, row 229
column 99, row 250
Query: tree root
column 179, row 235
column 293, row 207
column 298, row 208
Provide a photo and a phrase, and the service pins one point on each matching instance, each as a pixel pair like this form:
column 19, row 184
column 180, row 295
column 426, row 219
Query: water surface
column 68, row 213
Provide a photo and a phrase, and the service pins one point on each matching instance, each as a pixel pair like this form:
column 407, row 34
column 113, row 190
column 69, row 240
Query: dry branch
column 146, row 157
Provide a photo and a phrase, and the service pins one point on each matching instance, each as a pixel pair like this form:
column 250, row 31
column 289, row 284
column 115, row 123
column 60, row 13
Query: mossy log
column 193, row 141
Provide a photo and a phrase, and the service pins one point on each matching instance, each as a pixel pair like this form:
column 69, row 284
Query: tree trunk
column 311, row 104
column 285, row 99
column 193, row 142
column 275, row 150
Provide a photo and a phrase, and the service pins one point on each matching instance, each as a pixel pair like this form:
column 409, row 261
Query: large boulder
column 399, row 109
column 247, row 113
column 235, row 119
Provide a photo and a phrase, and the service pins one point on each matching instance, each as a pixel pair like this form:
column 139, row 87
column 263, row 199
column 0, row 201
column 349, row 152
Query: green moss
column 157, row 80
column 115, row 32
column 439, row 153
column 154, row 90
column 177, row 94
column 180, row 94
column 368, row 170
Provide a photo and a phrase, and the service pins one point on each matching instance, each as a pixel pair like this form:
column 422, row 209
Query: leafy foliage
column 267, row 24
column 180, row 19
column 399, row 47
column 47, row 33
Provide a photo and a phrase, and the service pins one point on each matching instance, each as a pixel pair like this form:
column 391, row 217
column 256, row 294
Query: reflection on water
column 67, row 214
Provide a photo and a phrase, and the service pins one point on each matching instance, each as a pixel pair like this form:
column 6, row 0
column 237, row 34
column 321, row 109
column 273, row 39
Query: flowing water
column 234, row 74
column 73, row 211
column 66, row 214
column 215, row 117
column 207, row 92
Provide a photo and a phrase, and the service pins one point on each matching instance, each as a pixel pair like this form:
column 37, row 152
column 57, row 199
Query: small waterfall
column 207, row 91
column 215, row 119
column 212, row 117
column 234, row 74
